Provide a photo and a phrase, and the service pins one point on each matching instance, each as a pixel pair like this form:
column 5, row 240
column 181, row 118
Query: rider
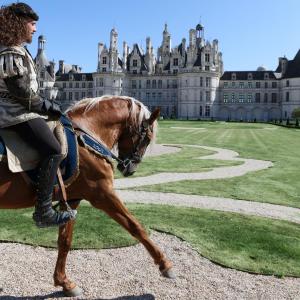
column 23, row 110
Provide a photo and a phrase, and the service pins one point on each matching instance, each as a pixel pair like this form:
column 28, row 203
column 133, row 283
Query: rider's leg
column 37, row 133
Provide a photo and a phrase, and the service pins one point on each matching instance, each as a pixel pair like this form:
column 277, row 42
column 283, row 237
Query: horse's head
column 133, row 143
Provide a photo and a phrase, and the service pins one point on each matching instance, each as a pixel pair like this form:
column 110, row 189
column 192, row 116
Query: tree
column 296, row 113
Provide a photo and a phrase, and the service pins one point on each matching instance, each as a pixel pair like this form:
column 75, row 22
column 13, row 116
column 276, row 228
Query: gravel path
column 129, row 273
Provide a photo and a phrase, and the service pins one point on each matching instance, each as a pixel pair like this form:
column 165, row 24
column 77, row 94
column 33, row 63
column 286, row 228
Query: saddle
column 21, row 157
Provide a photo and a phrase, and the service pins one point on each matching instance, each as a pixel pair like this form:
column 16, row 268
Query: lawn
column 279, row 184
column 246, row 243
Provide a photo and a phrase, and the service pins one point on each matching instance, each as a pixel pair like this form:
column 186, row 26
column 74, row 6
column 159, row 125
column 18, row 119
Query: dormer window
column 71, row 77
column 233, row 76
column 134, row 63
column 266, row 76
column 175, row 61
column 104, row 60
column 250, row 76
column 83, row 77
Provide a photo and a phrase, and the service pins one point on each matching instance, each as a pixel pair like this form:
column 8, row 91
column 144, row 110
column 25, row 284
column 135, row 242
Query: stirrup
column 58, row 218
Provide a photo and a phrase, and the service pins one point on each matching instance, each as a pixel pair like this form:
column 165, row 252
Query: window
column 90, row 85
column 249, row 98
column 225, row 98
column 134, row 63
column 241, row 85
column 147, row 96
column 103, row 69
column 158, row 96
column 175, row 71
column 250, row 76
column 76, row 96
column 274, row 98
column 206, row 68
column 134, row 72
column 159, row 84
column 154, row 84
column 148, row 84
column 287, row 96
column 232, row 97
column 174, row 84
column 77, row 86
column 201, row 81
column 140, row 84
column 175, row 61
column 70, row 95
column 41, row 83
column 207, row 81
column 274, row 84
column 83, row 94
column 64, row 85
column 287, row 83
column 266, row 85
column 168, row 85
column 257, row 97
column 83, row 77
column 101, row 82
column 266, row 76
column 133, row 84
column 200, row 111
column 153, row 96
column 207, row 94
column 257, row 85
column 201, row 96
column 225, row 84
column 206, row 57
column 249, row 85
column 104, row 60
column 83, row 85
column 233, row 84
column 241, row 98
column 265, row 98
column 233, row 76
column 207, row 111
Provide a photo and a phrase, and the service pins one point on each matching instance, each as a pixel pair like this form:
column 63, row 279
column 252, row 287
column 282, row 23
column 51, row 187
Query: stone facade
column 186, row 81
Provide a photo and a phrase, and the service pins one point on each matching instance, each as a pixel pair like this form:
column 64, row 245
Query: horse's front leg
column 64, row 244
column 113, row 206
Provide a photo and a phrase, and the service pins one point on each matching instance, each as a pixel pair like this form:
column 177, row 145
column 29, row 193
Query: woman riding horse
column 24, row 111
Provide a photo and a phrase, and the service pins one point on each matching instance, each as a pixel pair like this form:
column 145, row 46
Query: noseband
column 138, row 149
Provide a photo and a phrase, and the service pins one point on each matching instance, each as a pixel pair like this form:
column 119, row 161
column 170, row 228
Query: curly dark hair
column 13, row 19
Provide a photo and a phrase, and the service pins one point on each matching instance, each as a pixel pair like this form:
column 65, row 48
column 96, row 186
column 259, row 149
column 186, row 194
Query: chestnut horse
column 120, row 122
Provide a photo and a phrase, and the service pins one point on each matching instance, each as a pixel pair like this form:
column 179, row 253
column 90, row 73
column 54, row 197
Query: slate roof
column 293, row 67
column 243, row 75
column 76, row 76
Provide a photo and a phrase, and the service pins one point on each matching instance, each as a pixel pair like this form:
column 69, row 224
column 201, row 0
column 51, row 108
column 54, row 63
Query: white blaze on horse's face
column 133, row 144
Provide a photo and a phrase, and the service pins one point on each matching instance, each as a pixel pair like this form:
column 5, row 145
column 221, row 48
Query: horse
column 119, row 122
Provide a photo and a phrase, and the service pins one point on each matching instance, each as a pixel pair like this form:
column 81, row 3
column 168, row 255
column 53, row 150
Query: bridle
column 126, row 165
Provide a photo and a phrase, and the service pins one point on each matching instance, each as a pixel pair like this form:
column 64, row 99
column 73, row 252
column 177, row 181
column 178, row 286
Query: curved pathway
column 249, row 165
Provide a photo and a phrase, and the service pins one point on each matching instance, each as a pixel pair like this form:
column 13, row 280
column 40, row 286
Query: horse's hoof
column 169, row 274
column 76, row 291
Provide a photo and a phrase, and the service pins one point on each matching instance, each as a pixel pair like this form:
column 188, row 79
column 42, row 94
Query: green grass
column 246, row 243
column 184, row 161
column 279, row 184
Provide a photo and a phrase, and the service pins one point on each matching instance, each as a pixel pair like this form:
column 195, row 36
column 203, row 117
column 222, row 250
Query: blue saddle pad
column 69, row 165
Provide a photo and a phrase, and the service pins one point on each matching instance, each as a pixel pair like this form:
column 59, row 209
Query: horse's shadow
column 61, row 295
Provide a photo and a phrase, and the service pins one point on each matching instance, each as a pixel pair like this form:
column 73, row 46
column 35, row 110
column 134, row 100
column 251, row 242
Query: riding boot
column 45, row 215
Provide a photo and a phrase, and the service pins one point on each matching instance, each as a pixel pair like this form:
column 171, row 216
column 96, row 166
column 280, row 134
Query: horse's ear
column 154, row 116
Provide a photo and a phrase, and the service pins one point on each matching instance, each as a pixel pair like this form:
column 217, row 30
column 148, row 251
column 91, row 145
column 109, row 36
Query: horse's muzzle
column 127, row 167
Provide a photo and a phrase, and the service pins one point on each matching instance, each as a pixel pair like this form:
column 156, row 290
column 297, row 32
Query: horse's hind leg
column 114, row 207
column 64, row 244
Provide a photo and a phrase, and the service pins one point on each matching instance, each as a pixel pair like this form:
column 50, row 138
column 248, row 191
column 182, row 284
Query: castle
column 186, row 81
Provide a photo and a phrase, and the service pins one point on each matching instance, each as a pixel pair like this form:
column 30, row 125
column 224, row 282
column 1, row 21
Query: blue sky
column 250, row 33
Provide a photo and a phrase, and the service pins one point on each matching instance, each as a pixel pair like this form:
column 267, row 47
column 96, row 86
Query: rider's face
column 31, row 29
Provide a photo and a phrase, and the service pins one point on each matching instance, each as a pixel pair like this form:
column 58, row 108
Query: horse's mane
column 138, row 111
